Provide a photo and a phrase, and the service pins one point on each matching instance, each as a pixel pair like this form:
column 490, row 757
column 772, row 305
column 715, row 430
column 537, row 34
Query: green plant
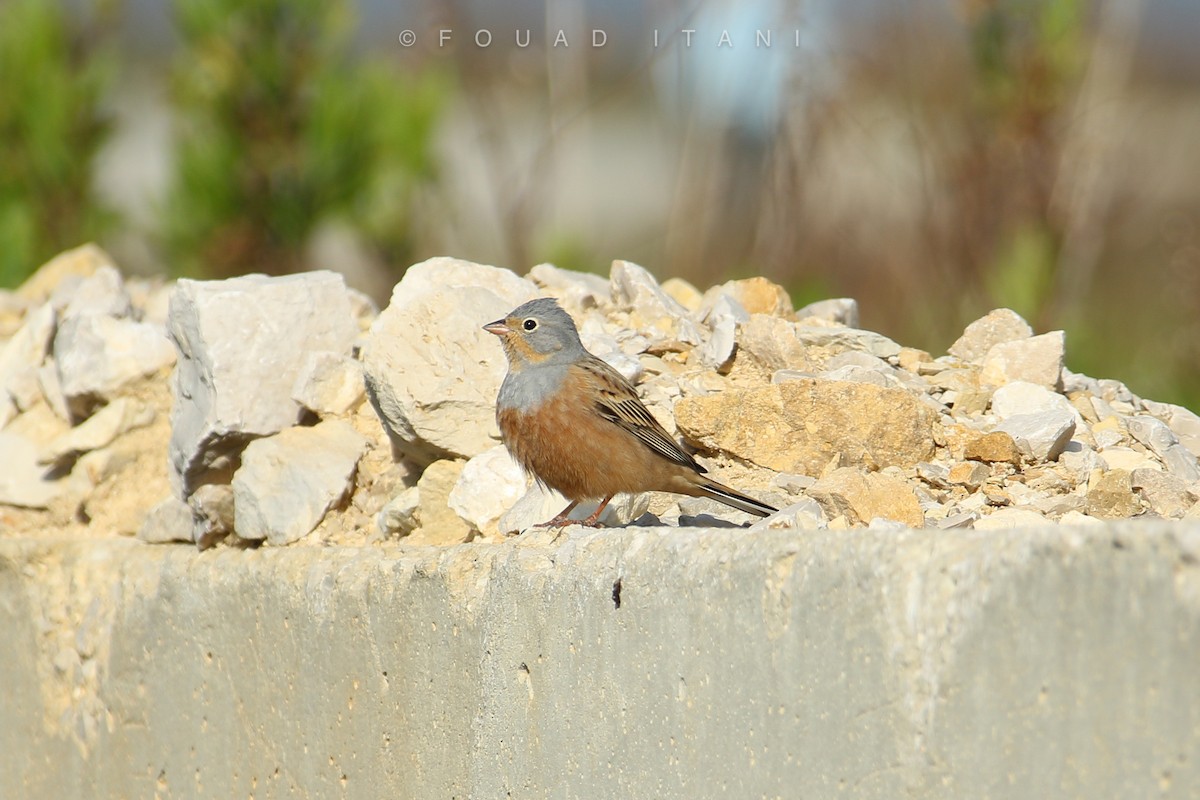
column 280, row 129
column 54, row 75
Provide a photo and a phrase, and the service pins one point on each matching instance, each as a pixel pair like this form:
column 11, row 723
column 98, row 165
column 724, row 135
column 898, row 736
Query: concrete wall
column 867, row 664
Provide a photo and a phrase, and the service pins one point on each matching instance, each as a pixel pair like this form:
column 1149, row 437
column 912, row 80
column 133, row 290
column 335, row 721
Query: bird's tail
column 733, row 498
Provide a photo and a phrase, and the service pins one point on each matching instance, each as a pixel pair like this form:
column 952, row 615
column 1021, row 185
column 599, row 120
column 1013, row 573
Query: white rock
column 1186, row 425
column 1022, row 397
column 1162, row 441
column 575, row 288
column 1038, row 360
column 651, row 309
column 846, row 339
column 1042, row 436
column 1167, row 495
column 103, row 292
column 539, row 505
column 287, row 482
column 722, row 320
column 806, row 514
column 169, row 521
column 490, row 484
column 1128, row 459
column 1182, row 463
column 24, row 482
column 857, row 374
column 99, row 430
column 47, row 376
column 996, row 327
column 1079, row 459
column 1010, row 518
column 329, row 384
column 432, row 372
column 23, row 354
column 1077, row 518
column 842, row 310
column 242, row 343
column 399, row 515
column 98, row 356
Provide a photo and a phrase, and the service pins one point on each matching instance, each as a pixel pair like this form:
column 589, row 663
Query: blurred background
column 932, row 158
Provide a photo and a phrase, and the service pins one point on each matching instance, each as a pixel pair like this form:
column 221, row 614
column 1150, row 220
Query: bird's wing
column 617, row 402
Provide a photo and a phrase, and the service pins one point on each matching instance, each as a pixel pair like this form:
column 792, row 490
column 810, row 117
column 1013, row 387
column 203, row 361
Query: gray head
column 538, row 332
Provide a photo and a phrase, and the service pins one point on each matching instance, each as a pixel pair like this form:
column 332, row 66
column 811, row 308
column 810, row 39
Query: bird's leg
column 594, row 520
column 560, row 520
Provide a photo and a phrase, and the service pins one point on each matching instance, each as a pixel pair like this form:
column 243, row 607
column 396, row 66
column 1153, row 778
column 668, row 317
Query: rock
column 996, row 447
column 841, row 310
column 103, row 292
column 1079, row 459
column 683, row 293
column 579, row 289
column 78, row 263
column 771, row 343
column 860, row 497
column 965, row 519
column 287, row 482
column 488, row 486
column 841, row 340
column 722, row 320
column 753, row 295
column 805, row 515
column 1077, row 518
column 1022, row 397
column 98, row 356
column 329, row 384
column 242, row 344
column 47, row 376
column 996, row 327
column 99, row 430
column 169, row 521
column 23, row 481
column 1184, row 423
column 1110, row 496
column 935, row 475
column 440, row 524
column 23, row 354
column 651, row 310
column 399, row 516
column 1127, row 459
column 798, row 426
column 1038, row 360
column 1005, row 518
column 432, row 372
column 212, row 513
column 1108, row 432
column 1166, row 494
column 1162, row 441
column 970, row 474
column 539, row 505
column 1040, row 437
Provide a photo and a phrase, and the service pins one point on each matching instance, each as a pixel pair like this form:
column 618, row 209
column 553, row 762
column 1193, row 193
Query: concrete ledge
column 630, row 663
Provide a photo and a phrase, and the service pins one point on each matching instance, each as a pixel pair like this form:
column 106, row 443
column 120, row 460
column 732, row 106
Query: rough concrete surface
column 1055, row 662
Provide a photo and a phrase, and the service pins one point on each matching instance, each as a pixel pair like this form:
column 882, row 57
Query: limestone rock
column 23, row 354
column 722, row 319
column 169, row 521
column 683, row 293
column 996, row 327
column 97, row 356
column 242, row 343
column 78, row 263
column 1038, row 360
column 841, row 310
column 103, row 292
column 995, row 447
column 287, row 482
column 440, row 524
column 574, row 288
column 754, row 295
column 329, row 384
column 1110, row 496
column 1166, row 494
column 1078, row 518
column 99, row 430
column 399, row 516
column 212, row 513
column 798, row 426
column 489, row 485
column 1040, row 437
column 651, row 309
column 1004, row 518
column 432, row 372
column 806, row 514
column 860, row 497
column 23, row 481
column 1023, row 397
column 970, row 474
column 1162, row 441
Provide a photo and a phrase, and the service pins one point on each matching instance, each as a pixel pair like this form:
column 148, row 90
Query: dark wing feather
column 617, row 401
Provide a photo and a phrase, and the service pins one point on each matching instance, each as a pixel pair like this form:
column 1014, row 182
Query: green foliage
column 1022, row 275
column 280, row 129
column 51, row 80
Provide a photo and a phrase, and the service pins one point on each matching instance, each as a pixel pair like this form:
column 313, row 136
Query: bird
column 577, row 425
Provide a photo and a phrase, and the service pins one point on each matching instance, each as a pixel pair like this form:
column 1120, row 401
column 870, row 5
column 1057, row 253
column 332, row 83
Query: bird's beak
column 498, row 327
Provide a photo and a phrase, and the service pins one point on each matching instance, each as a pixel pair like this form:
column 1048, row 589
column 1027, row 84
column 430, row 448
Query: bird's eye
column 529, row 324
